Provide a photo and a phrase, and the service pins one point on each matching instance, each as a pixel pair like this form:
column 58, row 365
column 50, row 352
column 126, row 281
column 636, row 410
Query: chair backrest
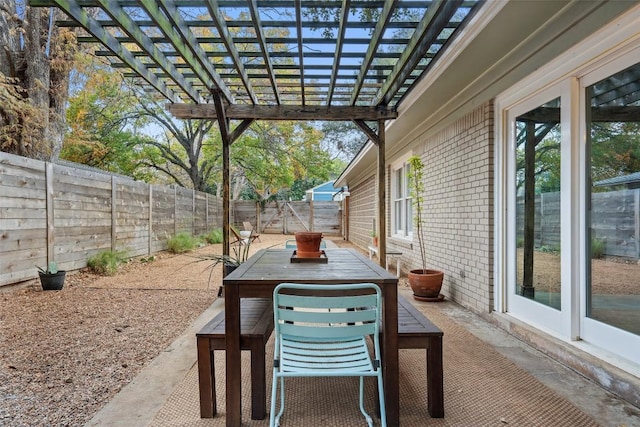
column 247, row 226
column 327, row 312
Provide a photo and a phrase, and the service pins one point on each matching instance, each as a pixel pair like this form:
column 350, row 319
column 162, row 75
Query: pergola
column 246, row 60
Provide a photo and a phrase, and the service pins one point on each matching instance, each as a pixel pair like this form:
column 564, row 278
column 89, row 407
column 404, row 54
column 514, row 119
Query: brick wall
column 362, row 212
column 459, row 208
column 459, row 211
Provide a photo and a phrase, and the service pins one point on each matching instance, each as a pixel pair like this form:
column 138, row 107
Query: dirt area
column 610, row 276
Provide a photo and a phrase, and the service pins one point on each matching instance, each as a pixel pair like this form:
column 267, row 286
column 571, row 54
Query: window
column 402, row 214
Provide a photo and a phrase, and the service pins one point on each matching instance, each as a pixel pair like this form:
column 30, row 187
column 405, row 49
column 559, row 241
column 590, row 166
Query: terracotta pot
column 426, row 283
column 308, row 244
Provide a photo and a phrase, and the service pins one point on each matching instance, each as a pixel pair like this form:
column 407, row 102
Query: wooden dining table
column 259, row 275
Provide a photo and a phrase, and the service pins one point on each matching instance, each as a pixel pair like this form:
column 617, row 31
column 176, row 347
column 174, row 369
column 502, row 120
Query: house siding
column 362, row 212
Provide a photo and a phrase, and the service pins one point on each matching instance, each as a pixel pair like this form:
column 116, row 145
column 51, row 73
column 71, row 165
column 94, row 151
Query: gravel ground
column 65, row 354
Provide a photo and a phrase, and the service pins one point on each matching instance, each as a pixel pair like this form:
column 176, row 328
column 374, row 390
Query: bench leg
column 435, row 386
column 206, row 379
column 258, row 381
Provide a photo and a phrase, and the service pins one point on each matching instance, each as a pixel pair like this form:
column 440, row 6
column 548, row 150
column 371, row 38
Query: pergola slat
column 344, row 16
column 191, row 50
column 72, row 9
column 221, row 25
column 255, row 16
column 430, row 27
column 112, row 8
column 385, row 16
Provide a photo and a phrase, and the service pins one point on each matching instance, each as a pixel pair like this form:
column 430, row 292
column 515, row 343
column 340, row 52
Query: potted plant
column 229, row 262
column 425, row 282
column 308, row 244
column 51, row 278
column 374, row 238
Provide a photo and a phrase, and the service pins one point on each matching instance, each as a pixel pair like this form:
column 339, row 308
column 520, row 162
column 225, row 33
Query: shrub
column 214, row 236
column 597, row 248
column 106, row 262
column 181, row 243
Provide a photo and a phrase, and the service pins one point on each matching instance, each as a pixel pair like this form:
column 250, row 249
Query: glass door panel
column 537, row 229
column 613, row 200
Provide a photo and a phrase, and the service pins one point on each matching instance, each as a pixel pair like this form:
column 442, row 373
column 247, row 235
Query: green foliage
column 417, row 190
column 181, row 243
column 214, row 236
column 553, row 249
column 107, row 262
column 52, row 268
column 597, row 248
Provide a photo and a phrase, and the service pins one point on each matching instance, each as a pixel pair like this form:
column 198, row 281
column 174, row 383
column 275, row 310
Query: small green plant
column 597, row 248
column 52, row 268
column 181, row 243
column 214, row 236
column 106, row 262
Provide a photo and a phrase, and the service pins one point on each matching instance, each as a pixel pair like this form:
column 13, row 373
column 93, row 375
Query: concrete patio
column 490, row 379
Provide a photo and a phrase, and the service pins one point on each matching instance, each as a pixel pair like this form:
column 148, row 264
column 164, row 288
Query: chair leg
column 361, row 398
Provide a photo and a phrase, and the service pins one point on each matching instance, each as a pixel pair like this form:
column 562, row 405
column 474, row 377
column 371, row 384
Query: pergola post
column 379, row 139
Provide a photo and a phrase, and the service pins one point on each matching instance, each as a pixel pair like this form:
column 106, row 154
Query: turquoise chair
column 324, row 334
column 291, row 244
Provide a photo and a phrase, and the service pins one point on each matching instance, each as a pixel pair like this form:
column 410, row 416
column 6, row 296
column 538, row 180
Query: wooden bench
column 416, row 331
column 391, row 253
column 256, row 325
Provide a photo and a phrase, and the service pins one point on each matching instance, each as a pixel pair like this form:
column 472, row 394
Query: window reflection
column 538, row 204
column 613, row 208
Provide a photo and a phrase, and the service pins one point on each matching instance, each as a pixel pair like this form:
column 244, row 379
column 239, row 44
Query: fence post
column 175, row 210
column 114, row 212
column 150, row 219
column 193, row 212
column 48, row 171
column 636, row 217
column 311, row 222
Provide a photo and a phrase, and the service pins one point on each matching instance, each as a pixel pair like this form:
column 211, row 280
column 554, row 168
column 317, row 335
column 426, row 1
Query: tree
column 35, row 61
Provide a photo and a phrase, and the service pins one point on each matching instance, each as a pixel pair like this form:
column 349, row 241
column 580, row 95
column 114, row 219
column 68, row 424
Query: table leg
column 391, row 368
column 206, row 379
column 435, row 386
column 233, row 355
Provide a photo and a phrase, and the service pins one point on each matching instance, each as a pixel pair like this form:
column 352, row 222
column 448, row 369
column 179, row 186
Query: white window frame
column 405, row 231
column 605, row 52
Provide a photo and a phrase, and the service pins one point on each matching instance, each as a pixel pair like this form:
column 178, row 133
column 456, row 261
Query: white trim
column 605, row 52
column 482, row 18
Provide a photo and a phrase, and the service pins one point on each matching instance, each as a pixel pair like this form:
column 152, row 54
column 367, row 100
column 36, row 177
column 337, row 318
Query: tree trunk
column 32, row 115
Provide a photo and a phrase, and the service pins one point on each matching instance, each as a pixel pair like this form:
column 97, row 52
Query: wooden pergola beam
column 112, row 7
column 262, row 41
column 432, row 24
column 282, row 112
column 344, row 16
column 381, row 26
column 223, row 30
column 176, row 31
column 92, row 26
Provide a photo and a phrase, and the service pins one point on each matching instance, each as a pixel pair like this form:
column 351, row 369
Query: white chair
column 323, row 333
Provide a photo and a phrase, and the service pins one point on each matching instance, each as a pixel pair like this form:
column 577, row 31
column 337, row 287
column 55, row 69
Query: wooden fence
column 289, row 217
column 615, row 219
column 51, row 212
column 61, row 213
